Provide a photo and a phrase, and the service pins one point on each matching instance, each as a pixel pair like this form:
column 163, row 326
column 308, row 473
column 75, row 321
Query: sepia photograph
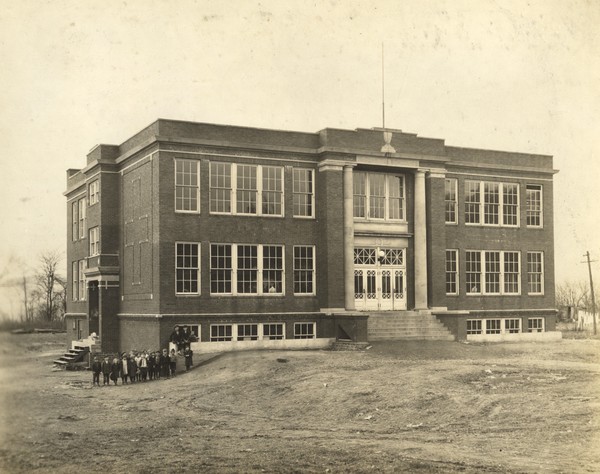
column 343, row 236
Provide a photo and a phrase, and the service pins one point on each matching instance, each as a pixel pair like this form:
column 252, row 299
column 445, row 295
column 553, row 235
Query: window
column 535, row 273
column 258, row 190
column 82, row 283
column 187, row 264
column 512, row 326
column 273, row 331
column 94, row 192
column 535, row 325
column 451, row 272
column 365, row 256
column 246, row 269
column 94, row 240
column 495, row 272
column 221, row 332
column 81, row 209
column 187, row 186
column 304, row 270
column 78, row 219
column 497, row 202
column 75, row 221
column 493, row 326
column 304, row 330
column 247, row 332
column 451, row 200
column 193, row 328
column 75, row 280
column 378, row 196
column 534, row 206
column 474, row 326
column 304, row 196
column 220, row 187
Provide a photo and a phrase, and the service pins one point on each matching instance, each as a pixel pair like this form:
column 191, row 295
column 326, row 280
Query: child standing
column 125, row 365
column 188, row 358
column 106, row 371
column 165, row 362
column 173, row 362
column 96, row 369
column 115, row 369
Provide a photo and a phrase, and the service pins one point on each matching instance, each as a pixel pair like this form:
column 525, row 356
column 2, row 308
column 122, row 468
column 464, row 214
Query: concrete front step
column 420, row 337
column 406, row 325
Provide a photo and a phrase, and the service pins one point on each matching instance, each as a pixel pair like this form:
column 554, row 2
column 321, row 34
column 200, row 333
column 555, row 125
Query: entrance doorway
column 379, row 279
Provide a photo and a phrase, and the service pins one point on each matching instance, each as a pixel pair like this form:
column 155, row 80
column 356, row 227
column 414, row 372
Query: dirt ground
column 397, row 407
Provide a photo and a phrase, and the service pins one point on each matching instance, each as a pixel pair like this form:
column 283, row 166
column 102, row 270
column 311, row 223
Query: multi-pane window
column 534, row 206
column 187, row 186
column 94, row 192
column 273, row 331
column 304, row 330
column 82, row 282
column 451, row 272
column 220, row 187
column 78, row 211
column 247, row 332
column 493, row 326
column 535, row 325
column 221, row 269
column 512, row 326
column 474, row 326
column 535, row 273
column 451, row 200
column 379, row 196
column 304, row 269
column 254, row 189
column 94, row 240
column 187, row 266
column 498, row 203
column 221, row 332
column 304, row 194
column 246, row 269
column 473, row 271
column 75, row 280
column 493, row 272
column 365, row 256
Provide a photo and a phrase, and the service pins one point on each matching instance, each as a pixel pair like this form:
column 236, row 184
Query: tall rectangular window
column 272, row 273
column 187, row 266
column 94, row 240
column 304, row 270
column 94, row 192
column 510, row 204
column 472, row 202
column 220, row 269
column 81, row 207
column 451, row 272
column 492, row 272
column 75, row 221
column 473, row 271
column 82, row 282
column 187, row 195
column 534, row 206
column 75, row 280
column 491, row 203
column 247, row 269
column 247, row 189
column 303, row 192
column 378, row 196
column 272, row 190
column 535, row 273
column 512, row 272
column 450, row 198
column 220, row 187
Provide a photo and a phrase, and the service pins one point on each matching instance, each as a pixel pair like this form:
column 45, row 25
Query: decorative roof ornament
column 387, row 147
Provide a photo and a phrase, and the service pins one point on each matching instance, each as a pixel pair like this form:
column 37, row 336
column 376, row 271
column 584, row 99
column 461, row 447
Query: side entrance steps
column 74, row 355
column 406, row 326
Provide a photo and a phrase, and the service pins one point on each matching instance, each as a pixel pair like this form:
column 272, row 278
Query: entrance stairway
column 406, row 326
column 74, row 355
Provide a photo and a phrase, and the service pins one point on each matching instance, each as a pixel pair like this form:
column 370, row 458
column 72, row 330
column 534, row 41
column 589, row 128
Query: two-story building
column 268, row 238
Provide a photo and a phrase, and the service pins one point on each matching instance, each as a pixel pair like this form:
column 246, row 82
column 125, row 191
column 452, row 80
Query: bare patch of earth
column 398, row 407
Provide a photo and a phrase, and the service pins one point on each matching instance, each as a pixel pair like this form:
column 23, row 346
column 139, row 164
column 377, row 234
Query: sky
column 504, row 75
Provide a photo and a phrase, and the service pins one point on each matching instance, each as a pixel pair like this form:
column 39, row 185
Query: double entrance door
column 379, row 279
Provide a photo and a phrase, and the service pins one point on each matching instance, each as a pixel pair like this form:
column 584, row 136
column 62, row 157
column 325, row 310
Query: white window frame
column 300, row 334
column 481, row 205
column 387, row 197
column 304, row 194
column 494, row 326
column 238, row 332
column 233, row 190
column 82, row 205
column 484, row 280
column 177, row 186
column 313, row 270
column 183, row 267
column 75, row 280
column 451, row 203
column 540, row 255
column 260, row 270
column 452, row 272
column 94, row 241
column 94, row 192
column 474, row 326
column 224, row 337
column 75, row 221
column 541, row 327
column 196, row 332
column 539, row 191
column 82, row 281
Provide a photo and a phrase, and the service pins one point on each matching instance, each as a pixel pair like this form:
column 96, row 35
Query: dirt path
column 419, row 407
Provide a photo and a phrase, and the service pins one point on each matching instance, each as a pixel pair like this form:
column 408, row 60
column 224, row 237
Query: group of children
column 139, row 367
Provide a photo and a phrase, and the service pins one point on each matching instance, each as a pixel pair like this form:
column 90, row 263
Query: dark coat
column 97, row 367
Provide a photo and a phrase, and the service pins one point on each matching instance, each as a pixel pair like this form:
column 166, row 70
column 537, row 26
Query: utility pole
column 589, row 262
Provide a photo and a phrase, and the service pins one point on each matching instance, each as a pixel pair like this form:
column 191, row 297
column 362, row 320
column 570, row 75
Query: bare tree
column 571, row 294
column 50, row 287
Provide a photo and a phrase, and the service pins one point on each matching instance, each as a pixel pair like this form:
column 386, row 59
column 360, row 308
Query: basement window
column 304, row 330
